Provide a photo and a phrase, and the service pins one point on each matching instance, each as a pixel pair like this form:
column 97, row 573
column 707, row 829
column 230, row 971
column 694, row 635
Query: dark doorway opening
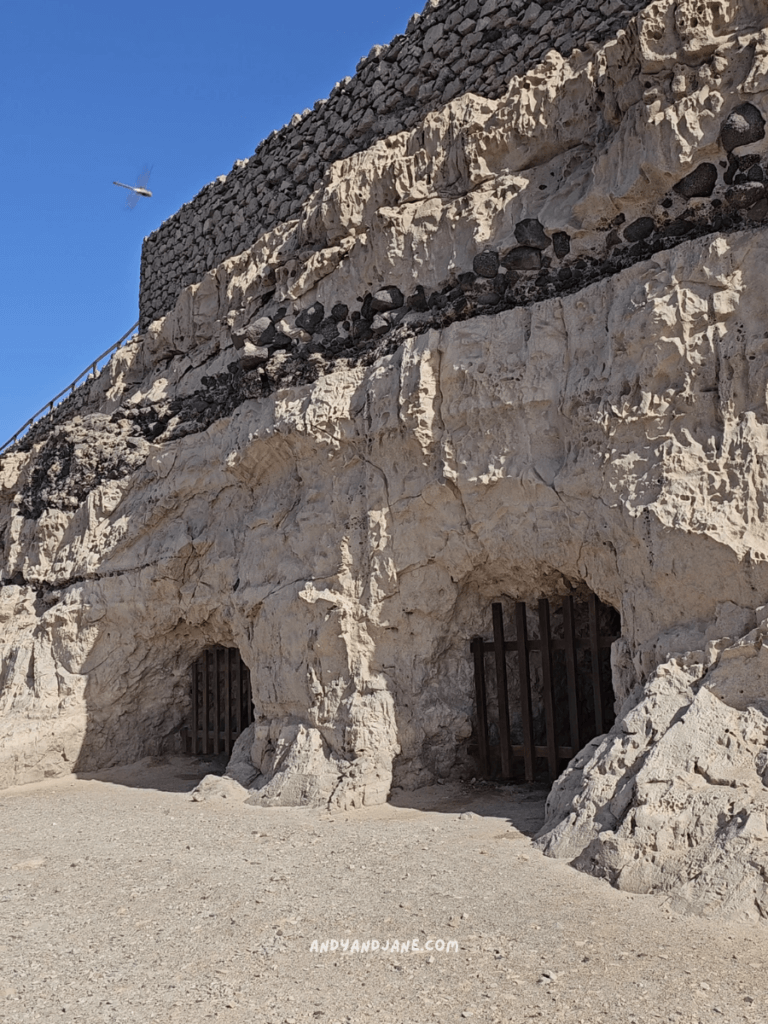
column 555, row 695
column 221, row 707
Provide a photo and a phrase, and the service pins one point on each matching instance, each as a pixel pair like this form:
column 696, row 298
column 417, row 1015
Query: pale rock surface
column 240, row 766
column 348, row 534
column 675, row 799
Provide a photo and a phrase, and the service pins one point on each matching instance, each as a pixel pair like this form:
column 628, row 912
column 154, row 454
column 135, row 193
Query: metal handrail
column 49, row 406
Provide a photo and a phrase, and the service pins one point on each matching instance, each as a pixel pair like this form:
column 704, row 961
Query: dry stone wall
column 454, row 46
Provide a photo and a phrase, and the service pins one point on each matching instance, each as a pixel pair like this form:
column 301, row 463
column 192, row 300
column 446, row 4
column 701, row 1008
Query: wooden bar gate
column 573, row 684
column 222, row 707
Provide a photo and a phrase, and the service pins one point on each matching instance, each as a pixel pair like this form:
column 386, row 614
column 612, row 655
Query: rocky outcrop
column 674, row 799
column 452, row 47
column 480, row 185
column 348, row 536
column 517, row 351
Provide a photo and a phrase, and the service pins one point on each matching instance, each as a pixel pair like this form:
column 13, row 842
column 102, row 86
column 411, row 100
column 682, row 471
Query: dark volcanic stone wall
column 454, row 46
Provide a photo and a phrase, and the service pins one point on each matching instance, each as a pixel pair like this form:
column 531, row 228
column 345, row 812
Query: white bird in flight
column 137, row 190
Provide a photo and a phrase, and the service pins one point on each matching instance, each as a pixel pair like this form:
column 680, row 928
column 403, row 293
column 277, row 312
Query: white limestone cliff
column 348, row 533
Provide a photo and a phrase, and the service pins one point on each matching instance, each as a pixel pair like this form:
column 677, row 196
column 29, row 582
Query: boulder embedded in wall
column 743, row 126
column 561, row 243
column 745, row 195
column 699, row 183
column 639, row 229
column 522, row 258
column 310, row 319
column 387, row 299
column 418, row 300
column 530, row 232
column 486, row 264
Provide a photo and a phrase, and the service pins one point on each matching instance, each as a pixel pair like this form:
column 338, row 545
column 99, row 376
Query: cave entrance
column 222, row 707
column 554, row 696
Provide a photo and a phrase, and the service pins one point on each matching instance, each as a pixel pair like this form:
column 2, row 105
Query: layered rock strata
column 452, row 47
column 517, row 351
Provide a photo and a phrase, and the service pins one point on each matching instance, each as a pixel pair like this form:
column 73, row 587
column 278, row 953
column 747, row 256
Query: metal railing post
column 48, row 408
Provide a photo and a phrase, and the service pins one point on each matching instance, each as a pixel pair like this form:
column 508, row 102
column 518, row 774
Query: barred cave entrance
column 542, row 696
column 221, row 705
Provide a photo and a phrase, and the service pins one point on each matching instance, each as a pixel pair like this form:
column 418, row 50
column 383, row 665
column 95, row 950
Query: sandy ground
column 123, row 900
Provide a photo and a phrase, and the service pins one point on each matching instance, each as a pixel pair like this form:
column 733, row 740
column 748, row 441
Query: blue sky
column 89, row 92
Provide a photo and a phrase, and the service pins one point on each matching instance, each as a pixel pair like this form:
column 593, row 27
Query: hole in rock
column 543, row 686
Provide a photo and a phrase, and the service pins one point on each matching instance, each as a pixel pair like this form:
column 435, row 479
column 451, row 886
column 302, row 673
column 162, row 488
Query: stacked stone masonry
column 453, row 47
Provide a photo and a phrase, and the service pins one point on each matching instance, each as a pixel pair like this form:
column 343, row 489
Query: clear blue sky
column 89, row 92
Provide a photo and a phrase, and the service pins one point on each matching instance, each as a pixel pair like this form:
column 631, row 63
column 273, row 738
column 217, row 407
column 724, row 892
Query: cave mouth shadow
column 544, row 688
column 187, row 714
column 521, row 805
column 165, row 773
column 563, row 665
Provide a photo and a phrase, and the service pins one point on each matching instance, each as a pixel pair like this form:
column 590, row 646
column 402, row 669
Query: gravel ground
column 123, row 900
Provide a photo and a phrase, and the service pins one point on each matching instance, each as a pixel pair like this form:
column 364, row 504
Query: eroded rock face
column 519, row 350
column 348, row 536
column 452, row 47
column 674, row 799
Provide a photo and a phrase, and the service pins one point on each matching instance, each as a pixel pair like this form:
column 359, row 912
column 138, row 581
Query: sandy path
column 125, row 901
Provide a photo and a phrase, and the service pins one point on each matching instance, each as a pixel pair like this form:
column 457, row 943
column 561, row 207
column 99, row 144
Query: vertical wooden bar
column 545, row 634
column 195, row 699
column 502, row 690
column 569, row 631
column 523, row 664
column 477, row 647
column 597, row 682
column 206, row 703
column 239, row 692
column 249, row 696
column 228, row 702
column 216, row 701
column 246, row 705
